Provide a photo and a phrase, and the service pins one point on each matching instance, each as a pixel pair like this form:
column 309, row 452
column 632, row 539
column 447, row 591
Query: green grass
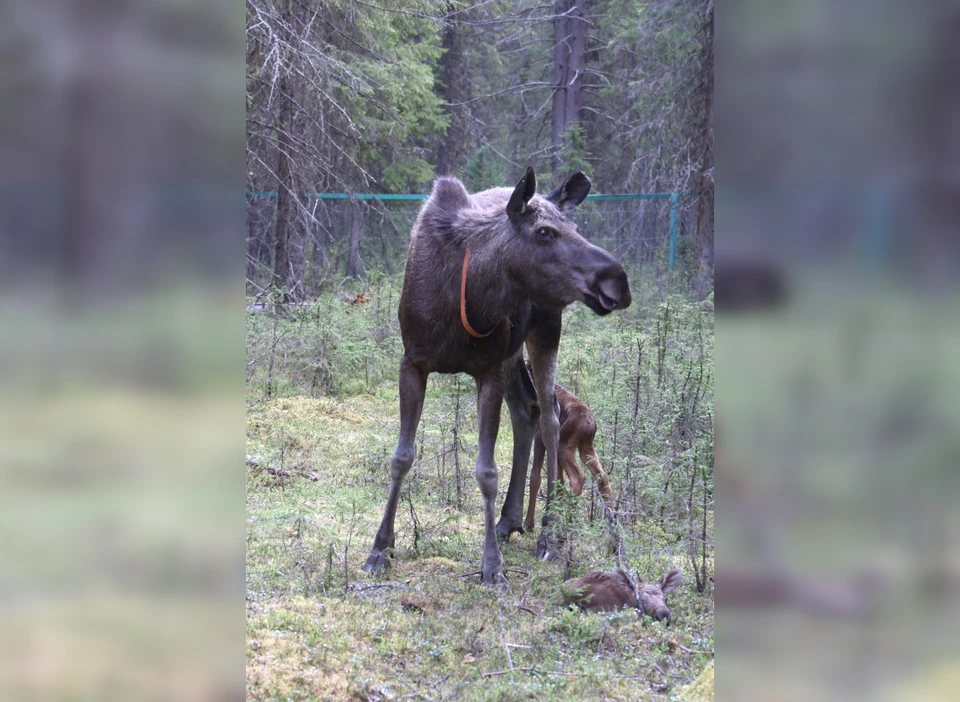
column 318, row 466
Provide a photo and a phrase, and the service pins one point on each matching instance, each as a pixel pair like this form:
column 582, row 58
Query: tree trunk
column 938, row 128
column 560, row 65
column 577, row 28
column 320, row 239
column 288, row 261
column 641, row 234
column 449, row 69
column 353, row 259
column 285, row 194
column 704, row 236
column 80, row 176
column 569, row 47
column 705, row 186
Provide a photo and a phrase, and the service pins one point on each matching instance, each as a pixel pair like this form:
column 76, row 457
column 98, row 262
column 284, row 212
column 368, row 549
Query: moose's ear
column 526, row 189
column 671, row 580
column 572, row 192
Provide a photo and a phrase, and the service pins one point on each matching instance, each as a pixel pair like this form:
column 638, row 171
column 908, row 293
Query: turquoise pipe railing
column 674, row 199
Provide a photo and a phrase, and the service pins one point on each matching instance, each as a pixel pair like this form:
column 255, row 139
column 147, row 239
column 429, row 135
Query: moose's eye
column 546, row 234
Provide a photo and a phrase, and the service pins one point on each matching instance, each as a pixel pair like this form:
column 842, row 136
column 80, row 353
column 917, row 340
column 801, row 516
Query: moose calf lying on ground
column 609, row 591
column 578, row 427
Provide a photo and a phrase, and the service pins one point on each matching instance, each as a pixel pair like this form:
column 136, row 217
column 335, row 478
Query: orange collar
column 463, row 301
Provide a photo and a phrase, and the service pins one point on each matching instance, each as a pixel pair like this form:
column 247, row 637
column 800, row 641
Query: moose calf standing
column 608, row 591
column 578, row 427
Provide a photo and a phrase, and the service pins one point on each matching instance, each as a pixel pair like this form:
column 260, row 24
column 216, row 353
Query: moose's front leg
column 413, row 385
column 489, row 400
column 542, row 348
column 524, row 414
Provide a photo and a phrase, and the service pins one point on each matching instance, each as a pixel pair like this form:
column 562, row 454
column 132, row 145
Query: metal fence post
column 674, row 203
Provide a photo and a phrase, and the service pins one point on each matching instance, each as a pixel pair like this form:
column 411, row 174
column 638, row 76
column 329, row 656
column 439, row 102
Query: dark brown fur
column 578, row 428
column 527, row 262
column 742, row 284
column 609, row 591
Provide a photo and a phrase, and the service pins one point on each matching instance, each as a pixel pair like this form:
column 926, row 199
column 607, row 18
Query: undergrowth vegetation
column 322, row 424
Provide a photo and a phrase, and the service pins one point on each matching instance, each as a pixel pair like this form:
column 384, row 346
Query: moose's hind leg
column 567, row 458
column 413, row 383
column 589, row 458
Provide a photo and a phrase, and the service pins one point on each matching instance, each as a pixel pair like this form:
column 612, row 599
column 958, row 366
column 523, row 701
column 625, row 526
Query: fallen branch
column 356, row 587
column 565, row 675
column 504, row 672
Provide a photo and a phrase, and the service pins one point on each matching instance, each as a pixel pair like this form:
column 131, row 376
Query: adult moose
column 519, row 261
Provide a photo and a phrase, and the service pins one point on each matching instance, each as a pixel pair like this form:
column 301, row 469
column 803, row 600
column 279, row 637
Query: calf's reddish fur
column 578, row 427
column 609, row 591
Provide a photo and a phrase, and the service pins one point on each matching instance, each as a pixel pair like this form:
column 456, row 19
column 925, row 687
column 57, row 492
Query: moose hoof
column 493, row 576
column 506, row 529
column 547, row 548
column 377, row 563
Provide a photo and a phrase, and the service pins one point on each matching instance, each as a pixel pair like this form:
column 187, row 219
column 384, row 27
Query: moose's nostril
column 609, row 290
column 612, row 285
column 607, row 301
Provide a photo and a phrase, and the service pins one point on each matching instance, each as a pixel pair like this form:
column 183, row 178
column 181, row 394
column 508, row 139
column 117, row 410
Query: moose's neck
column 489, row 296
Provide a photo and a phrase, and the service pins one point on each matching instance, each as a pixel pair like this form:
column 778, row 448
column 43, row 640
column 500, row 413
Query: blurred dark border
column 121, row 212
column 121, row 338
column 837, row 203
